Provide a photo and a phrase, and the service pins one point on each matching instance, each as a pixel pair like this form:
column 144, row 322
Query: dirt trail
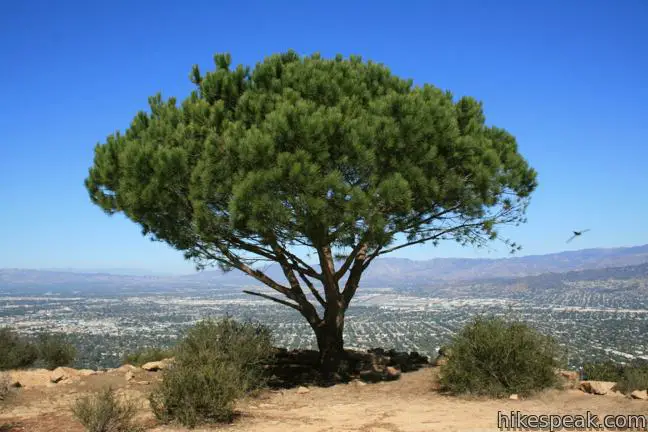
column 407, row 405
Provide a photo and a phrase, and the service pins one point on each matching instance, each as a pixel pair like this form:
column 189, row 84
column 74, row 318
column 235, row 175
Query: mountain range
column 383, row 272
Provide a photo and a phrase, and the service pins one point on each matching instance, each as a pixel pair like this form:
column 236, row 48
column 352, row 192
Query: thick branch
column 347, row 263
column 354, row 277
column 258, row 275
column 331, row 289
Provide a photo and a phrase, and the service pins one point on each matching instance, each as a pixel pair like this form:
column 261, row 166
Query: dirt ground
column 406, row 405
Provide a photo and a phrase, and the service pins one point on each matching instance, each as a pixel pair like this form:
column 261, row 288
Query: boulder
column 371, row 375
column 639, row 394
column 303, row 390
column 129, row 376
column 514, row 397
column 391, row 373
column 570, row 378
column 86, row 372
column 569, row 375
column 597, row 387
column 62, row 374
column 157, row 365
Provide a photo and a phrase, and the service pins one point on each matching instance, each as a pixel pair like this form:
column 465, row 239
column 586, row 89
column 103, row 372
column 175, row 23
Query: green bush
column 635, row 377
column 102, row 412
column 15, row 351
column 216, row 363
column 493, row 357
column 146, row 355
column 602, row 371
column 55, row 351
column 630, row 377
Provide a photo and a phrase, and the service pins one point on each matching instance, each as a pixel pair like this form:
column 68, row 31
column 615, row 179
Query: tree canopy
column 338, row 155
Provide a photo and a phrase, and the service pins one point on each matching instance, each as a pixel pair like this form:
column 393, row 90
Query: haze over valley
column 594, row 301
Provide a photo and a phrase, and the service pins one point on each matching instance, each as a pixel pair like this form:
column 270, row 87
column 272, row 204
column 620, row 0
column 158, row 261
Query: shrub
column 216, row 363
column 493, row 357
column 635, row 377
column 603, row 371
column 102, row 412
column 55, row 351
column 15, row 351
column 146, row 355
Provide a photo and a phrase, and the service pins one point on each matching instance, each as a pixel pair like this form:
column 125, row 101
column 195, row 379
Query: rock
column 514, row 397
column 639, row 394
column 62, row 374
column 125, row 368
column 302, row 390
column 570, row 378
column 569, row 375
column 129, row 376
column 371, row 375
column 391, row 373
column 597, row 387
column 142, row 382
column 157, row 365
column 440, row 360
column 360, row 383
column 87, row 372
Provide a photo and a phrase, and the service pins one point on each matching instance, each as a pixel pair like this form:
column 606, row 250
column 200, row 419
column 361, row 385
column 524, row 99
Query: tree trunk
column 330, row 343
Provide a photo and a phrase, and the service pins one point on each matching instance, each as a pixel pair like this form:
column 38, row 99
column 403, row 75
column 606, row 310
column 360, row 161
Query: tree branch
column 274, row 299
column 347, row 263
column 312, row 289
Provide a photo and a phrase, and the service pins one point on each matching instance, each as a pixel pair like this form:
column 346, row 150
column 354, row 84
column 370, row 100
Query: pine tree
column 335, row 155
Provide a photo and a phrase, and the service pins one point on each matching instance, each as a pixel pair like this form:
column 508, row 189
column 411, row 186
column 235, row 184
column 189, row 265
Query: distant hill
column 401, row 271
column 384, row 272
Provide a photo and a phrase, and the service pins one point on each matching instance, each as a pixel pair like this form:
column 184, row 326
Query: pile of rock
column 609, row 388
column 295, row 367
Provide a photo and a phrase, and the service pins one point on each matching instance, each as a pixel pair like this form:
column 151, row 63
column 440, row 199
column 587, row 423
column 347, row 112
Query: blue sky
column 568, row 78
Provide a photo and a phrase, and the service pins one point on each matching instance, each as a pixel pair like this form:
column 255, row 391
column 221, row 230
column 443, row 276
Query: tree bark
column 330, row 342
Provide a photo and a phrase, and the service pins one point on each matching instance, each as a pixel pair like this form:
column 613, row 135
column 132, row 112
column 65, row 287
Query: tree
column 337, row 156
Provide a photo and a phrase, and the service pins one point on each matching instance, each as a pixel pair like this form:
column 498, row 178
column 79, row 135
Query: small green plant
column 138, row 358
column 103, row 412
column 216, row 363
column 493, row 357
column 15, row 351
column 54, row 350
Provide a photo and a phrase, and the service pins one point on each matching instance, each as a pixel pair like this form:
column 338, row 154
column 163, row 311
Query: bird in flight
column 576, row 234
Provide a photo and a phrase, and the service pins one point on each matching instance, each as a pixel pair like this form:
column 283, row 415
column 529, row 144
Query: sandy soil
column 407, row 405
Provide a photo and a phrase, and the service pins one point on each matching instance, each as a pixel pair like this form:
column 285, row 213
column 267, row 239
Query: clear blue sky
column 568, row 78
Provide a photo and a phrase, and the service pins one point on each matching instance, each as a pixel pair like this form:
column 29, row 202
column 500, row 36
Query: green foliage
column 103, row 412
column 216, row 363
column 54, row 351
column 630, row 377
column 635, row 377
column 603, row 371
column 493, row 357
column 15, row 352
column 146, row 355
column 310, row 150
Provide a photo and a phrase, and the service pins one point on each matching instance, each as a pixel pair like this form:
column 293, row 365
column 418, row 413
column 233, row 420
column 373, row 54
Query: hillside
column 409, row 404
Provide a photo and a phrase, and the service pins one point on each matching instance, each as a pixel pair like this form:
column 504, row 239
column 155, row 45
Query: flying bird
column 576, row 234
